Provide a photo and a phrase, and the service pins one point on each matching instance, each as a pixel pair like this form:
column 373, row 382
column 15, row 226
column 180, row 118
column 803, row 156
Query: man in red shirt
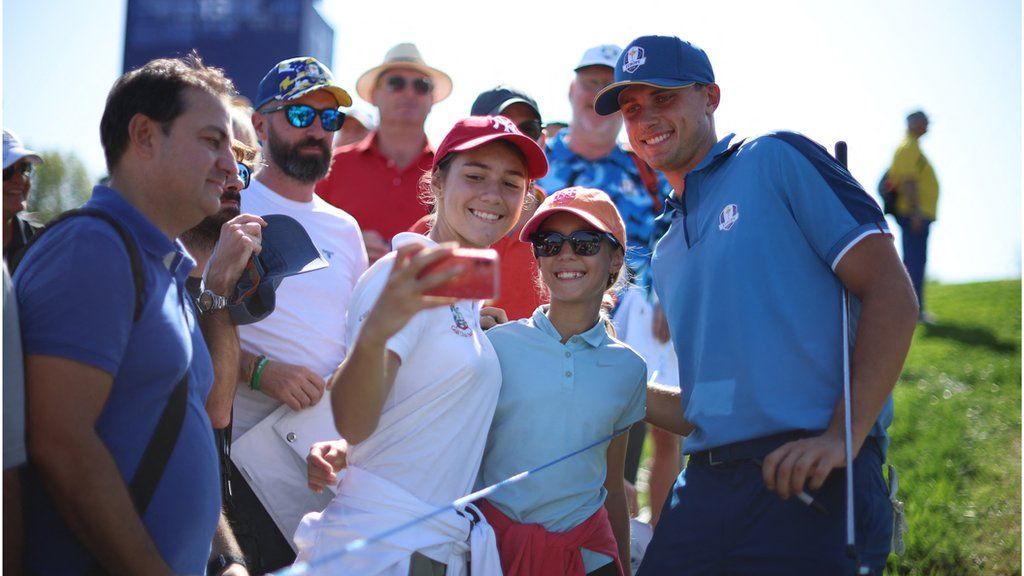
column 376, row 180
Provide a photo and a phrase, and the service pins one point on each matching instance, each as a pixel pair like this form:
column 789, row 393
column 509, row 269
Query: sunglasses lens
column 300, row 116
column 421, row 86
column 332, row 120
column 244, row 175
column 531, row 128
column 396, row 83
column 546, row 244
column 17, row 169
column 585, row 243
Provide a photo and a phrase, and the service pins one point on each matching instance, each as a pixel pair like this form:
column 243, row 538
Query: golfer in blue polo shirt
column 765, row 233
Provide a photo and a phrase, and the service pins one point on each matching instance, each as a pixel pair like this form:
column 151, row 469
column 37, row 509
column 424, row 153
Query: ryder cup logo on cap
column 634, row 59
column 658, row 61
column 296, row 77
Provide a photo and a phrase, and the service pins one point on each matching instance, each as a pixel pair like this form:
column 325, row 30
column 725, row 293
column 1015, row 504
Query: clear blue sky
column 831, row 70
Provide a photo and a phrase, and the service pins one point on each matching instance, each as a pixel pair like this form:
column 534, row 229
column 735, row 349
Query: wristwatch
column 208, row 302
column 221, row 563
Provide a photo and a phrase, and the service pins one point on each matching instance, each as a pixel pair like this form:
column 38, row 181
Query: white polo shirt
column 432, row 431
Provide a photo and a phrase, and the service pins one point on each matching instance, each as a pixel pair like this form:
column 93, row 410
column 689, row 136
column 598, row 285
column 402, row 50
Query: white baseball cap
column 14, row 150
column 365, row 116
column 603, row 55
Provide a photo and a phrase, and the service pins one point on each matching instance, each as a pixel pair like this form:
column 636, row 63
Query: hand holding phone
column 479, row 279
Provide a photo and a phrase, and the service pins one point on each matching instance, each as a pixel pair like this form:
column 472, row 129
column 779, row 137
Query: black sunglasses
column 302, row 116
column 244, row 174
column 18, row 169
column 583, row 242
column 531, row 128
column 420, row 86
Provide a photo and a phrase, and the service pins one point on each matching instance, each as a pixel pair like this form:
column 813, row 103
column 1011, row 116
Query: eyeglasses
column 531, row 128
column 583, row 242
column 244, row 174
column 18, row 169
column 420, row 86
column 302, row 116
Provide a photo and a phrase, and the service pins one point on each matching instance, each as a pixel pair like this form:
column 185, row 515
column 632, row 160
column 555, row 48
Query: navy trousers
column 915, row 254
column 721, row 520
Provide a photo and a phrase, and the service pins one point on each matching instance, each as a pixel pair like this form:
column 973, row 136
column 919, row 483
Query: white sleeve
column 365, row 296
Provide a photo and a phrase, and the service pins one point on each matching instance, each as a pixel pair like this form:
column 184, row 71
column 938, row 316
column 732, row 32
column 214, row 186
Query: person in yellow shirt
column 916, row 201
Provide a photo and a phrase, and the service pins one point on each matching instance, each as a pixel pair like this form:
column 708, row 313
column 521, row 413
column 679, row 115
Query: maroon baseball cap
column 475, row 131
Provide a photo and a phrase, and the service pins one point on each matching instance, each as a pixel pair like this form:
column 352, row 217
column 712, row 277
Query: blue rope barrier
column 301, row 568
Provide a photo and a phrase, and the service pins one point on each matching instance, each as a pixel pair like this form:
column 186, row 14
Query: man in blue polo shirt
column 765, row 234
column 98, row 375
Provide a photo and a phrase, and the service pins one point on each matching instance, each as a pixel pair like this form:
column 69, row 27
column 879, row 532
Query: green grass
column 956, row 436
column 956, row 439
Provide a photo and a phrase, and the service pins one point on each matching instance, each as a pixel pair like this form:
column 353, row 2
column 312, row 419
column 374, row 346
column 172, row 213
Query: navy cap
column 660, row 61
column 296, row 77
column 287, row 250
column 494, row 101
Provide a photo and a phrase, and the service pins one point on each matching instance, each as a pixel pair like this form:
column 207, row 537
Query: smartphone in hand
column 479, row 277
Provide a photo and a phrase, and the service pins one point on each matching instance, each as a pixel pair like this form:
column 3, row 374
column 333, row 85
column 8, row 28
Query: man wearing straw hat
column 376, row 180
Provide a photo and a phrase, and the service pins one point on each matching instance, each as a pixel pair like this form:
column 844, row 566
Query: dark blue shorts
column 722, row 520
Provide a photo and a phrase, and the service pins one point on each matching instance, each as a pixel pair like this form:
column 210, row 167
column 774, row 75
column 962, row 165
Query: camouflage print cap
column 296, row 77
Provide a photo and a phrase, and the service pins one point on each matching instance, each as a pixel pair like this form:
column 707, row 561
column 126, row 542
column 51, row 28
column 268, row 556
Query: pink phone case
column 479, row 279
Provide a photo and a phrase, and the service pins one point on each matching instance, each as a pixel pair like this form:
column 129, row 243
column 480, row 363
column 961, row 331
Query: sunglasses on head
column 18, row 169
column 583, row 242
column 421, row 86
column 244, row 174
column 302, row 116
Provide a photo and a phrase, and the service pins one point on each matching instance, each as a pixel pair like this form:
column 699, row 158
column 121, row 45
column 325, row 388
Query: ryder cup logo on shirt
column 461, row 327
column 730, row 214
column 634, row 59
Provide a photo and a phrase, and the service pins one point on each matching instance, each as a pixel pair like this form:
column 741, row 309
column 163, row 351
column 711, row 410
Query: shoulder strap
column 129, row 244
column 161, row 444
column 157, row 455
column 650, row 179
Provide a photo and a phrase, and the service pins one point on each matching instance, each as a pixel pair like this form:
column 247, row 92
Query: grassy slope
column 956, row 437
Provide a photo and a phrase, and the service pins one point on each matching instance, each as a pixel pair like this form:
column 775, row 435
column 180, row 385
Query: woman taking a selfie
column 415, row 396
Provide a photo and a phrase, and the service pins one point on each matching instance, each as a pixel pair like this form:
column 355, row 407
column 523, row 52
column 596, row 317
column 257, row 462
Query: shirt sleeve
column 636, row 408
column 831, row 208
column 76, row 295
column 367, row 292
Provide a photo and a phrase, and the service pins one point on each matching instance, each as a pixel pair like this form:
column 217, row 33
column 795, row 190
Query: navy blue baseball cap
column 659, row 61
column 287, row 250
column 296, row 77
column 494, row 101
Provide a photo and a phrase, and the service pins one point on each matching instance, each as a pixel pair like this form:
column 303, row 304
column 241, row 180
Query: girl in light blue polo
column 566, row 382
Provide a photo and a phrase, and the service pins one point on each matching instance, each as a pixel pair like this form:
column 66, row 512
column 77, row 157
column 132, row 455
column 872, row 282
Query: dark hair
column 918, row 116
column 155, row 90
